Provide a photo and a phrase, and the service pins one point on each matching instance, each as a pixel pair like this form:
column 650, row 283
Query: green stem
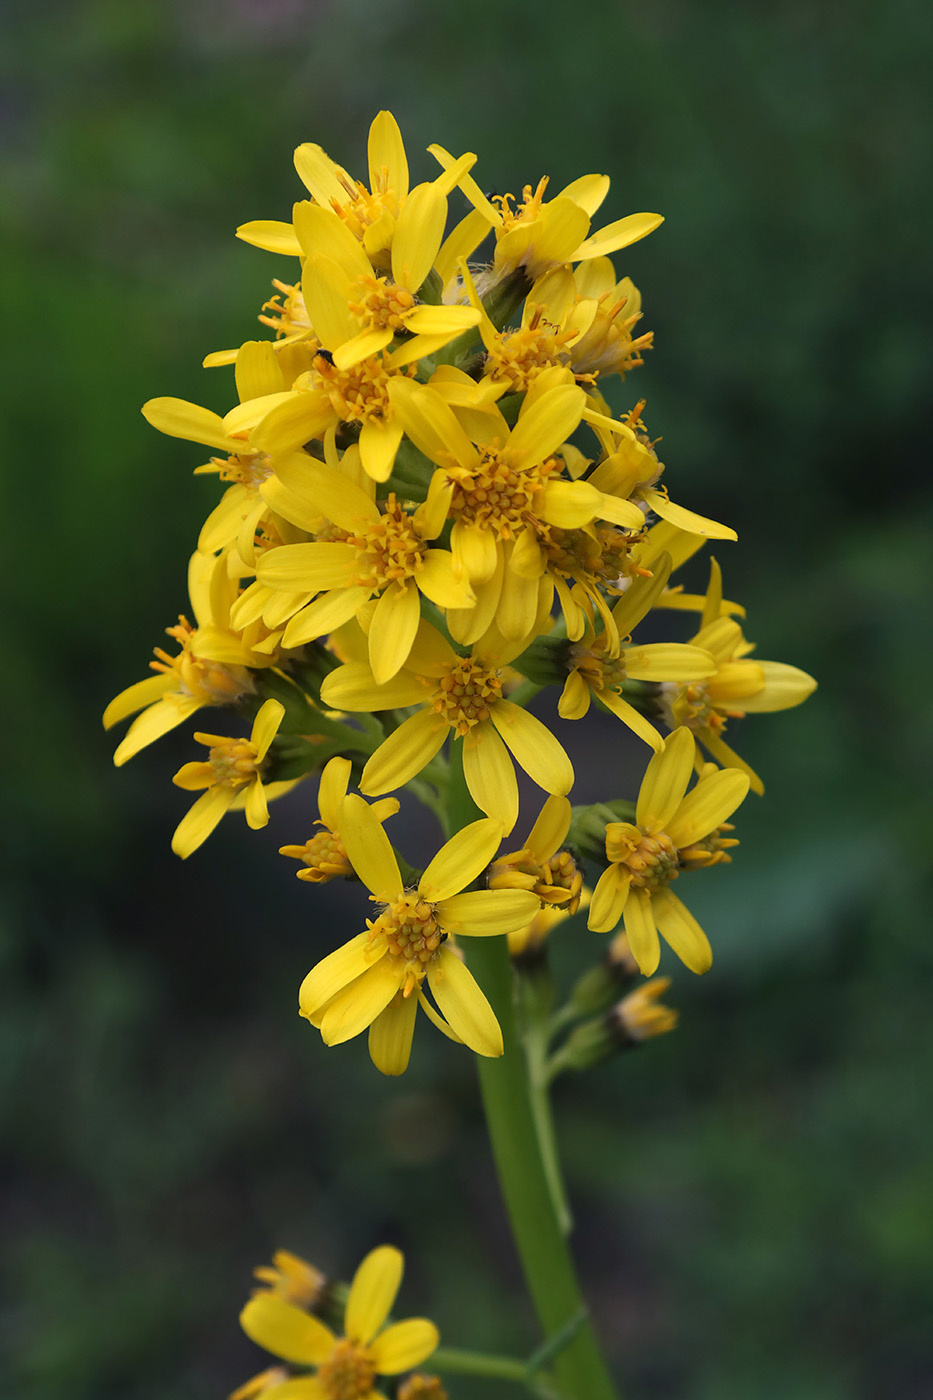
column 535, row 1040
column 474, row 1363
column 542, row 1247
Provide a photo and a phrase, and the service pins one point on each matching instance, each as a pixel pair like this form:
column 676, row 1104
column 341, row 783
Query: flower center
column 412, row 935
column 651, row 857
column 691, row 706
column 498, row 496
column 519, row 356
column 234, row 761
column 323, row 855
column 390, row 550
column 247, row 468
column 348, row 1373
column 608, row 346
column 466, row 694
column 382, row 304
column 523, row 213
column 360, row 208
column 288, row 316
column 600, row 672
column 558, row 881
column 360, row 393
column 207, row 681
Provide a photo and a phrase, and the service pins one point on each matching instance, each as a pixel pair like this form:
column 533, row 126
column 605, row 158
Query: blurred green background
column 755, row 1193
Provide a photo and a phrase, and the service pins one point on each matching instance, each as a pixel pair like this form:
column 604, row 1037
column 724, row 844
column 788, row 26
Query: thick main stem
column 546, row 1261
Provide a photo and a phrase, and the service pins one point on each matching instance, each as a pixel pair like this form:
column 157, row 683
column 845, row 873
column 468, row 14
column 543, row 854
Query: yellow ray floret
column 376, row 980
column 324, row 856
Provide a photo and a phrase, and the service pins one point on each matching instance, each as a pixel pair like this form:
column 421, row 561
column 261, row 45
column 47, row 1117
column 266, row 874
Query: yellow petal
column 393, row 629
column 467, row 625
column 468, row 185
column 351, row 687
column 575, row 697
column 358, row 1005
column 518, row 604
column 546, row 424
column 401, row 756
column 550, row 830
column 372, row 1293
column 431, row 654
column 785, row 686
column 633, row 718
column 265, row 726
column 195, row 776
column 711, row 803
column 307, row 567
column 137, row 696
column 641, row 932
column 722, row 637
column 324, row 615
column 438, row 581
column 403, row 1345
column 461, row 860
column 362, row 346
column 729, row 758
column 463, row 1004
column 641, row 596
column 286, row 1331
column 431, row 425
column 668, row 661
column 618, row 235
column 300, row 417
column 326, row 289
column 686, row 519
column 490, row 775
column 197, row 824
column 323, row 491
column 157, row 720
column 571, row 504
column 255, row 806
column 665, row 781
column 588, row 191
column 712, row 603
column 388, row 164
column 368, row 849
column 321, row 176
column 257, row 370
column 224, row 521
column 418, row 235
column 608, row 902
column 322, row 233
column 461, row 243
column 479, row 913
column 178, row 418
column 336, row 971
column 436, row 1019
column 535, row 748
column 390, row 1035
column 379, row 442
column 623, row 513
column 475, row 550
column 272, row 235
column 335, row 779
column 681, row 930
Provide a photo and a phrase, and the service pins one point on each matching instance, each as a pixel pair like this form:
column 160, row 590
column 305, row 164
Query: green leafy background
column 754, row 1193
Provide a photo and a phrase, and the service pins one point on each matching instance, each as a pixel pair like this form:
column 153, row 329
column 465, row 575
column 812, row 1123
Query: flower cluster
column 430, row 514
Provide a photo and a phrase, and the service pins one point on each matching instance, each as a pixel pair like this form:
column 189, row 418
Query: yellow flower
column 260, row 384
column 263, row 1384
column 640, row 1015
column 539, row 234
column 421, row 1387
column 233, row 772
column 324, row 856
column 345, row 1368
column 598, row 666
column 356, row 313
column 645, row 856
column 376, row 979
column 542, row 865
column 507, row 494
column 384, row 553
column 291, row 1278
column 460, row 696
column 739, row 686
column 212, row 668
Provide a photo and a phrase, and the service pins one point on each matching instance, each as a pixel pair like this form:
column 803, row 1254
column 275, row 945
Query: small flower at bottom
column 345, row 1368
column 292, row 1278
column 232, row 771
column 376, row 980
column 645, row 856
column 324, row 855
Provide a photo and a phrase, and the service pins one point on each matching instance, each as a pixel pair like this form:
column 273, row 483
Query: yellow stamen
column 412, row 935
column 650, row 857
column 360, row 393
column 498, row 496
column 390, row 551
column 382, row 304
column 209, row 682
column 465, row 695
column 288, row 316
column 348, row 1373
